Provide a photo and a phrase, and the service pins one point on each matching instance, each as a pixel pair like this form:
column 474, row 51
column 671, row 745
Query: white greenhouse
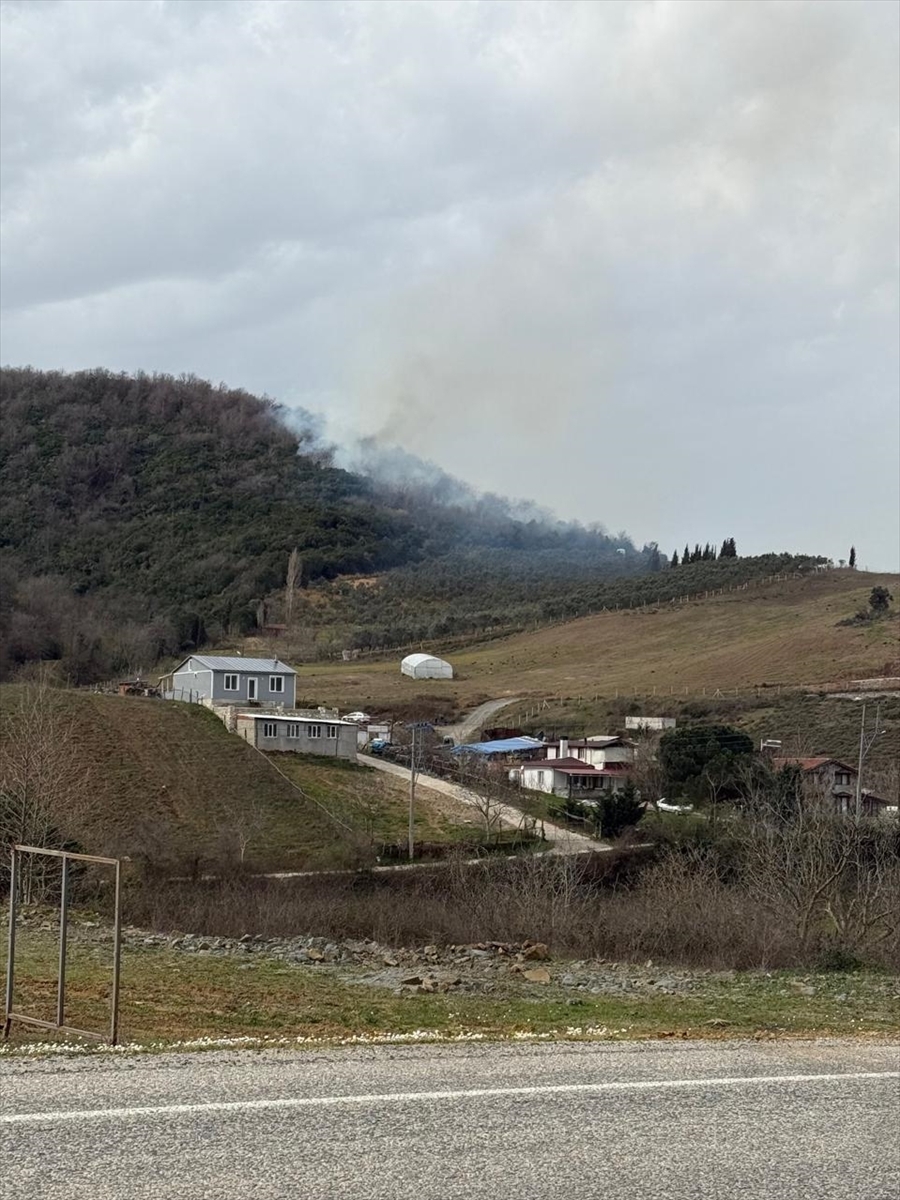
column 426, row 666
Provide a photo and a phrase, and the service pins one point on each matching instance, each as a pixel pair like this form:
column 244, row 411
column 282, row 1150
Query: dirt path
column 564, row 840
column 467, row 728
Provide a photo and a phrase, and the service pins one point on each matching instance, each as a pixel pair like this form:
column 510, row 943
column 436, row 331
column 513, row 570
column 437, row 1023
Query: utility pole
column 865, row 745
column 412, row 794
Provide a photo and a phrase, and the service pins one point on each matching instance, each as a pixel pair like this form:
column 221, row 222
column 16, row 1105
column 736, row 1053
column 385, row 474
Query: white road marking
column 561, row 1089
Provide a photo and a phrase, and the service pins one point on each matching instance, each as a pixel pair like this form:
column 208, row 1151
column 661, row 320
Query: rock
column 535, row 950
column 390, row 961
column 314, row 955
column 804, row 989
column 245, row 938
column 567, row 980
column 411, row 981
column 537, row 975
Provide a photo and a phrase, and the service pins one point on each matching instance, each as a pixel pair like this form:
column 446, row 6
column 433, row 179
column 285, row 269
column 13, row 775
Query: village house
column 570, row 777
column 299, row 732
column 595, row 751
column 835, row 780
column 218, row 681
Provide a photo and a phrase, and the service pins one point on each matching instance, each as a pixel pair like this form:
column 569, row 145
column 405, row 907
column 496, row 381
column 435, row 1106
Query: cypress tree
column 674, row 562
column 852, row 557
column 686, row 557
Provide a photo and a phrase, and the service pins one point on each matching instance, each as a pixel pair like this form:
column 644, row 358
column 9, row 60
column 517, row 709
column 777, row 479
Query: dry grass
column 779, row 633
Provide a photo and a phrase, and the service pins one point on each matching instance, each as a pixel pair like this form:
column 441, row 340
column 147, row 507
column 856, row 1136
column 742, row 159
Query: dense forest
column 144, row 515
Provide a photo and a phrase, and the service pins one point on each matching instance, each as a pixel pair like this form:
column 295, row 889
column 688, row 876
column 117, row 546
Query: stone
column 537, row 975
column 804, row 989
column 390, row 961
column 314, row 955
column 411, row 981
column 535, row 950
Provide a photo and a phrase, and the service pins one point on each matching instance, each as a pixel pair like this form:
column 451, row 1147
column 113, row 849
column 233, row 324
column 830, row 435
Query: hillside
column 778, row 633
column 165, row 783
column 144, row 515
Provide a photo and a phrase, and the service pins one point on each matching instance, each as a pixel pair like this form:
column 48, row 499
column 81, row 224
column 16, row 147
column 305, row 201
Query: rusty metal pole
column 63, row 939
column 11, row 959
column 117, row 957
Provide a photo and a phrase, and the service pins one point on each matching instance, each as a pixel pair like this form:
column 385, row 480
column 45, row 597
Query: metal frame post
column 11, row 959
column 11, row 1015
column 63, row 942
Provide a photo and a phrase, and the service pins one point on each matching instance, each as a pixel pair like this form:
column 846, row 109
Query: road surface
column 770, row 1121
column 564, row 840
column 477, row 719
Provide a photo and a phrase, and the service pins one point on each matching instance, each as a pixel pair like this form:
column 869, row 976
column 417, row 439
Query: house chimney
column 563, row 747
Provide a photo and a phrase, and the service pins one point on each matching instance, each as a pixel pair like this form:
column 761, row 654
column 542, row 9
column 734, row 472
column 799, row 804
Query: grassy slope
column 778, row 633
column 172, row 771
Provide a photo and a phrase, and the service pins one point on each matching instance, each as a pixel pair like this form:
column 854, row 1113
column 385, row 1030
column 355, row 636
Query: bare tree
column 42, row 788
column 291, row 583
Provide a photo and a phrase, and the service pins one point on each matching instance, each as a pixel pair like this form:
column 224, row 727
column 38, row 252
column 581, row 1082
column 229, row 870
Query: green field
column 170, row 997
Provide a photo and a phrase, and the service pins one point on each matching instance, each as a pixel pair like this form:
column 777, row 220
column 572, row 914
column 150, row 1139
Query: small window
column 293, row 730
column 276, row 683
column 842, row 779
column 314, row 731
column 270, row 729
column 540, row 776
column 231, row 683
column 331, row 731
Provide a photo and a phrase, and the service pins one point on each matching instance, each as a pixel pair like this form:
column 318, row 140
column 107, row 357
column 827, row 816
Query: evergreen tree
column 654, row 562
column 674, row 562
column 618, row 811
column 686, row 557
column 852, row 558
column 697, row 553
column 725, row 552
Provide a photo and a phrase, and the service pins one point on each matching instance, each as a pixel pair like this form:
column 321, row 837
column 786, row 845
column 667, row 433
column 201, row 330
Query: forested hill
column 141, row 515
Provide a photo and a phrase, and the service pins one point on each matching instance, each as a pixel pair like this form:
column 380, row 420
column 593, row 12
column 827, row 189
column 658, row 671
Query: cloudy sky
column 636, row 261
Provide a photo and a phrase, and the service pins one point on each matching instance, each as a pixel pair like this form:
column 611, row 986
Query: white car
column 359, row 717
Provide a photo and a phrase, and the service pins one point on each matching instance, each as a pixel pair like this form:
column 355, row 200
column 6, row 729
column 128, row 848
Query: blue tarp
column 516, row 745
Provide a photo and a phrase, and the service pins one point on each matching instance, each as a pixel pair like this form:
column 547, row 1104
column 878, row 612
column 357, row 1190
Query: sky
column 637, row 262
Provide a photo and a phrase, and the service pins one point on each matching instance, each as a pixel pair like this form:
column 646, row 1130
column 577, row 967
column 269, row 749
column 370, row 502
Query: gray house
column 218, row 681
column 305, row 733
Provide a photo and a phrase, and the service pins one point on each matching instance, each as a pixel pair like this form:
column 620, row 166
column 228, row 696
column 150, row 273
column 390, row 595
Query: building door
column 251, row 689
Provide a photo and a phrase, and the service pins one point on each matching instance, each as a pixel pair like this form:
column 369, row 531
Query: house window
column 293, row 730
column 540, row 776
column 270, row 729
column 231, row 683
column 276, row 683
column 842, row 778
column 331, row 731
column 314, row 731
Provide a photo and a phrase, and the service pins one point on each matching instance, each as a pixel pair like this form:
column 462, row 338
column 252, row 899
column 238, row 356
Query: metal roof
column 298, row 718
column 416, row 660
column 514, row 745
column 211, row 663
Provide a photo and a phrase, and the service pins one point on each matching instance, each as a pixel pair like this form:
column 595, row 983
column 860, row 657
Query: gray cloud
column 635, row 261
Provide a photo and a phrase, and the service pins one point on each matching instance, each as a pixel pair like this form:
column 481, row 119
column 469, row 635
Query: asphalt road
column 779, row 1121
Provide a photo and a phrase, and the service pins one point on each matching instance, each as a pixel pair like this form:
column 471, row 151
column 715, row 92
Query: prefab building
column 426, row 666
column 213, row 680
column 302, row 733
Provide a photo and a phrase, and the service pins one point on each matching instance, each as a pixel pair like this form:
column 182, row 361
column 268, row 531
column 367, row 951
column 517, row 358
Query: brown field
column 780, row 633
